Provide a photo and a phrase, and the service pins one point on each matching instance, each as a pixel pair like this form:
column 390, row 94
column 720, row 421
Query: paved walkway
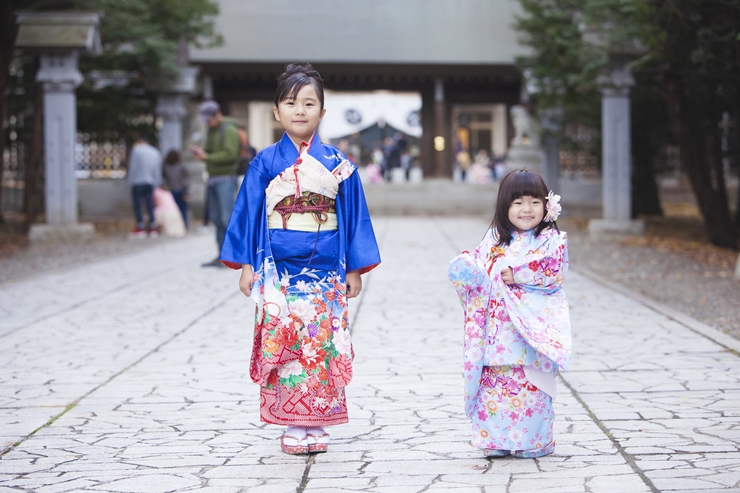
column 131, row 375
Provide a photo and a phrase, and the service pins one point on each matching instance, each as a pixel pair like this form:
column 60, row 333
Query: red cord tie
column 318, row 205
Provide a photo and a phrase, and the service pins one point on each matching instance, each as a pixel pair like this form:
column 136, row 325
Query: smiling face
column 300, row 117
column 526, row 212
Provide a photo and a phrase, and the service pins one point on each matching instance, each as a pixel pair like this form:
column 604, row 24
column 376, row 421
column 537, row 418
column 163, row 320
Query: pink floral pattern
column 512, row 414
column 507, row 328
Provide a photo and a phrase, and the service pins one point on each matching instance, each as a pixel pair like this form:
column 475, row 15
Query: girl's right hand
column 245, row 281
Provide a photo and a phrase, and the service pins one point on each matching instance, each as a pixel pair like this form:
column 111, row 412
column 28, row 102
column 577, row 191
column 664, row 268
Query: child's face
column 526, row 212
column 300, row 117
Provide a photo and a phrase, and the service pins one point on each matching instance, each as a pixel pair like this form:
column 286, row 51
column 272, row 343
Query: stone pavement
column 131, row 375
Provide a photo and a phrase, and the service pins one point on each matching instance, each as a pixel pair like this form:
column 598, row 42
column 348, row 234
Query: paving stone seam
column 690, row 323
column 74, row 403
column 105, row 257
column 305, row 479
column 82, row 303
column 629, row 458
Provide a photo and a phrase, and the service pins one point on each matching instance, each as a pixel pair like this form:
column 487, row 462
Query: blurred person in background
column 176, row 180
column 144, row 174
column 221, row 155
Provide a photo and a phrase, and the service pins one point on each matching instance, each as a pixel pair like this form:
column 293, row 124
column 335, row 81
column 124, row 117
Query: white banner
column 351, row 112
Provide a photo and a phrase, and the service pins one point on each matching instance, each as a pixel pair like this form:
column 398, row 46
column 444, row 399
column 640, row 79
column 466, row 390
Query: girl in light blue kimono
column 301, row 234
column 517, row 323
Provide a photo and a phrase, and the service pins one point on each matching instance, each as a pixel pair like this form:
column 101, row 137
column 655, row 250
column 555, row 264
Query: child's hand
column 354, row 284
column 507, row 275
column 245, row 281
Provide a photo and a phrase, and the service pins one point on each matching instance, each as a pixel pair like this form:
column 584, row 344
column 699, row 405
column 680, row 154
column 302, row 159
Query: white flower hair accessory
column 553, row 207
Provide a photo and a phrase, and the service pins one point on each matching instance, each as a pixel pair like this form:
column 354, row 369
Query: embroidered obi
column 309, row 212
column 302, row 197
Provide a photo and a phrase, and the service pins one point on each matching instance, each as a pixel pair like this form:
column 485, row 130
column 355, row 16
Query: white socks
column 298, row 432
column 316, row 431
column 301, row 431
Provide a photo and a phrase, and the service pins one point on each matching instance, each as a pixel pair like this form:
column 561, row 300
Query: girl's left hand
column 354, row 284
column 507, row 275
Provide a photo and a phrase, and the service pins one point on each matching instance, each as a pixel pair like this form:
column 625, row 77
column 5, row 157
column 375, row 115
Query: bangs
column 298, row 84
column 523, row 183
column 292, row 85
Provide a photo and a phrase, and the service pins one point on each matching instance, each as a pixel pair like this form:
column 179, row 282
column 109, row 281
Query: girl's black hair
column 295, row 77
column 173, row 157
column 515, row 184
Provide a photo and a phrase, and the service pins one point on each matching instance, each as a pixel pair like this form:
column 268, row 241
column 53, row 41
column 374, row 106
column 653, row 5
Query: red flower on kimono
column 533, row 266
column 312, row 355
column 286, row 336
column 330, row 295
column 320, row 307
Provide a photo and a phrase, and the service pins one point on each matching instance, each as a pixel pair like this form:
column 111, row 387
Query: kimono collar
column 289, row 151
column 520, row 241
column 522, row 235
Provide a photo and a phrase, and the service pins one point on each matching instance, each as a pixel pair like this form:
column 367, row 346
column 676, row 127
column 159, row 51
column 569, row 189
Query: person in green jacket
column 221, row 154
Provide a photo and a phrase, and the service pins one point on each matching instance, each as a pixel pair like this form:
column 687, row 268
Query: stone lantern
column 59, row 38
column 616, row 137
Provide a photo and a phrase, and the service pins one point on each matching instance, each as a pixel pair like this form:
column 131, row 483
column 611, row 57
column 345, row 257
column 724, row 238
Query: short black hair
column 516, row 184
column 295, row 77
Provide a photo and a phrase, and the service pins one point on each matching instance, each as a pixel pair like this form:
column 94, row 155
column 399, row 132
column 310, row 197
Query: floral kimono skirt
column 511, row 414
column 309, row 389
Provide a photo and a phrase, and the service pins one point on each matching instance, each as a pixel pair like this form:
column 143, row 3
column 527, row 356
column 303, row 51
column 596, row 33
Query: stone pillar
column 616, row 159
column 172, row 108
column 440, row 119
column 551, row 147
column 59, row 77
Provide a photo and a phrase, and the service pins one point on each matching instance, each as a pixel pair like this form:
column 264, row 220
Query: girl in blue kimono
column 517, row 322
column 301, row 234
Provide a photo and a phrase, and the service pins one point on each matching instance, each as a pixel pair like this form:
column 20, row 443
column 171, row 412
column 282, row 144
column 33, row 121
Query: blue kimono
column 302, row 353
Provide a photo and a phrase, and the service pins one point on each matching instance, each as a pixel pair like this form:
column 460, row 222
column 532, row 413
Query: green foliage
column 562, row 69
column 685, row 57
column 142, row 40
column 143, row 35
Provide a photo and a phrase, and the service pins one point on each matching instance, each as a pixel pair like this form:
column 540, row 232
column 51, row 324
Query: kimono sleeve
column 247, row 230
column 544, row 271
column 469, row 279
column 362, row 248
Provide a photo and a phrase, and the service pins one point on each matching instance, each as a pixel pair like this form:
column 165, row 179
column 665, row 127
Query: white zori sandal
column 294, row 441
column 318, row 439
